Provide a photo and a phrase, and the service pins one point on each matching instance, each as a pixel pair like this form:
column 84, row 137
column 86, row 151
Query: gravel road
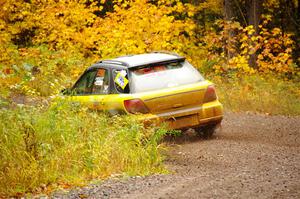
column 251, row 156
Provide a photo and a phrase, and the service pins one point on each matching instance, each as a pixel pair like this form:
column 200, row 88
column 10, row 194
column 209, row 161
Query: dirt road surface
column 251, row 156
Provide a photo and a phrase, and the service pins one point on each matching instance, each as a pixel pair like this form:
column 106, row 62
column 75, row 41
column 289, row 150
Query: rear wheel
column 206, row 131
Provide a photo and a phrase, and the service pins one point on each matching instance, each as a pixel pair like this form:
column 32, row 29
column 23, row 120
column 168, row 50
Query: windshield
column 155, row 77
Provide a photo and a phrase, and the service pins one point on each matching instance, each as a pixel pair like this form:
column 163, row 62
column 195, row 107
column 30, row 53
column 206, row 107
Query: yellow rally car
column 161, row 86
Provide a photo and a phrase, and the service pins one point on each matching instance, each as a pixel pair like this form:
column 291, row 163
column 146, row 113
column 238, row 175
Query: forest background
column 45, row 45
column 249, row 48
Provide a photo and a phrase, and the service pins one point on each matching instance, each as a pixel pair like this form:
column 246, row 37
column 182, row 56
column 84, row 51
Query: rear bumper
column 208, row 113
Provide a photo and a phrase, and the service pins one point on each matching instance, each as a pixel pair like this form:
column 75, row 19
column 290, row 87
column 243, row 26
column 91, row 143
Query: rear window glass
column 156, row 68
column 154, row 77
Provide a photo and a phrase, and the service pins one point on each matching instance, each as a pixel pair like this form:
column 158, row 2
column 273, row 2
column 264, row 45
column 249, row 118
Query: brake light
column 135, row 106
column 210, row 94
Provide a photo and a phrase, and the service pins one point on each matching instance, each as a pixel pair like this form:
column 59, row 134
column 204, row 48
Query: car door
column 92, row 88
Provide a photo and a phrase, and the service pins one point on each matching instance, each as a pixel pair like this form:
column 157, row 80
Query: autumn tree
column 82, row 29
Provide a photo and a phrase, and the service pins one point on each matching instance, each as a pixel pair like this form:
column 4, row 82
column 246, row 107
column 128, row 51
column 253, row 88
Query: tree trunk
column 254, row 13
column 254, row 9
column 229, row 10
column 200, row 17
column 229, row 15
column 297, row 54
column 298, row 13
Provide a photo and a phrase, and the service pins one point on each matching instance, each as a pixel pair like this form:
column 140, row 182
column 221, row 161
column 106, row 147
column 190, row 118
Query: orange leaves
column 276, row 31
column 77, row 31
column 240, row 63
column 142, row 27
column 7, row 71
column 272, row 47
column 249, row 30
column 133, row 27
column 275, row 51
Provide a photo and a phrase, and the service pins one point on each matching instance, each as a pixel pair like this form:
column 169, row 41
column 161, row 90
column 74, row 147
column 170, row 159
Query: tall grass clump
column 69, row 145
column 257, row 93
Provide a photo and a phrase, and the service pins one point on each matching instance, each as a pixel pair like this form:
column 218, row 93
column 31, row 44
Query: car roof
column 130, row 61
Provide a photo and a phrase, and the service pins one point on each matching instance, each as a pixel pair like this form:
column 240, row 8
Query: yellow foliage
column 72, row 31
column 241, row 64
column 56, row 39
column 272, row 47
column 275, row 51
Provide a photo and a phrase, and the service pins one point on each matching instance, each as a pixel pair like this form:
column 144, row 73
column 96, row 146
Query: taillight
column 135, row 106
column 210, row 94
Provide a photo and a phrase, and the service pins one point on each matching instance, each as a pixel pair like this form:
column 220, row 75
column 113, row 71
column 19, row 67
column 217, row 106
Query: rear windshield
column 154, row 77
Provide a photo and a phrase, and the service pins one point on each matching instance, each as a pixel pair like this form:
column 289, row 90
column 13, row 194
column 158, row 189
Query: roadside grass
column 256, row 93
column 45, row 148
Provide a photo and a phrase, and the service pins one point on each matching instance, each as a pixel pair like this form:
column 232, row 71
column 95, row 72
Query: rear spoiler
column 173, row 60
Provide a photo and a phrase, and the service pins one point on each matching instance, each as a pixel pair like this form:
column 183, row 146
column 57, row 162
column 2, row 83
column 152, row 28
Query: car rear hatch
column 168, row 87
column 173, row 99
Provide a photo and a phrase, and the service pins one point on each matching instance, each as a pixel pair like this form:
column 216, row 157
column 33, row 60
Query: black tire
column 206, row 131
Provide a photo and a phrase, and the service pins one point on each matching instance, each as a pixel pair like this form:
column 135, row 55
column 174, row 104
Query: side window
column 101, row 82
column 84, row 85
column 121, row 81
